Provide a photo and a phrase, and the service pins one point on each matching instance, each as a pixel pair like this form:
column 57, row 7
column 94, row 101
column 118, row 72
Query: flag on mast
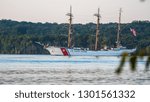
column 133, row 31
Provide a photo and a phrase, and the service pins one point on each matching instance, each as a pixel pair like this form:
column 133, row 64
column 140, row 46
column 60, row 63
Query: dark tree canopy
column 19, row 37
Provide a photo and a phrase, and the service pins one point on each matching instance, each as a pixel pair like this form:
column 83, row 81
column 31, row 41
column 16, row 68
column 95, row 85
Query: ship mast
column 70, row 27
column 97, row 28
column 118, row 32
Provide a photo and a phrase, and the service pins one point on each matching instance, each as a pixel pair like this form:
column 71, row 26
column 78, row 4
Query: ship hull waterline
column 62, row 51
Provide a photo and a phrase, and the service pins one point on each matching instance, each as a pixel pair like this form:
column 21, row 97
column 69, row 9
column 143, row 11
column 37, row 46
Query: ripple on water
column 34, row 69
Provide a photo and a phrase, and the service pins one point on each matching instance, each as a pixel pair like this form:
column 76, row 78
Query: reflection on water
column 46, row 69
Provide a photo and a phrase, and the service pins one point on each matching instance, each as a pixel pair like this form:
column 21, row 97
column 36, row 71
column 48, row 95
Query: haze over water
column 46, row 69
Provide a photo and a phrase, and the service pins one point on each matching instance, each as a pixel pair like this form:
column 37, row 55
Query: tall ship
column 76, row 51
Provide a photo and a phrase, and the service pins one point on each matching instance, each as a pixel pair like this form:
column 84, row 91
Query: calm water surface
column 46, row 69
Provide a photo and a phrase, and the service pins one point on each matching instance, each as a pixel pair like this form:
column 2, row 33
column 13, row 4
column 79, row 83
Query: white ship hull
column 58, row 51
column 62, row 51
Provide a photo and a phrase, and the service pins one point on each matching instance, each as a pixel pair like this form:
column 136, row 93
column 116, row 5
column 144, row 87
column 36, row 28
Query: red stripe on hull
column 64, row 51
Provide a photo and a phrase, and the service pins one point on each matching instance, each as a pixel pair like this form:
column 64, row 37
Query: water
column 77, row 70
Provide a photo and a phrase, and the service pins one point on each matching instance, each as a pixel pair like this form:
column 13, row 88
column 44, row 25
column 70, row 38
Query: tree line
column 20, row 37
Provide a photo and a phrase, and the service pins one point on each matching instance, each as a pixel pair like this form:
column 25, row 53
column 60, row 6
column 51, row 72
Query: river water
column 76, row 70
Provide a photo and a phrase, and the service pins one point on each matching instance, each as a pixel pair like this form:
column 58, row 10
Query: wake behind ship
column 75, row 51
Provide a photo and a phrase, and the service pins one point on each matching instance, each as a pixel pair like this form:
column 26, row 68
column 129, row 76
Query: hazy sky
column 83, row 10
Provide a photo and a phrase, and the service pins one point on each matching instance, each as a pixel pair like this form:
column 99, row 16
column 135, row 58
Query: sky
column 83, row 10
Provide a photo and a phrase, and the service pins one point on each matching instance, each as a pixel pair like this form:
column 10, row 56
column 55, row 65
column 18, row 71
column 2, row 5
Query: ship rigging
column 76, row 51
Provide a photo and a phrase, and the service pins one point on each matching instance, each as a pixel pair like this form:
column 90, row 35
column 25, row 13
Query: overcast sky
column 83, row 10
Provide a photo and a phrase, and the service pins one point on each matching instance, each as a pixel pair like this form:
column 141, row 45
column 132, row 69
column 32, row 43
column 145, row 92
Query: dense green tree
column 20, row 37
